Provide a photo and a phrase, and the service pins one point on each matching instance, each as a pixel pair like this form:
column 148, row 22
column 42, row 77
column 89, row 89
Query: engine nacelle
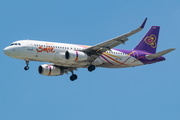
column 75, row 56
column 60, row 56
column 49, row 70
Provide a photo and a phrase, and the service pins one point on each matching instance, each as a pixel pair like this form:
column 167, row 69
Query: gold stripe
column 130, row 53
column 114, row 59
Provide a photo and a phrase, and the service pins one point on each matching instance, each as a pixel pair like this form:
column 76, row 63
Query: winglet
column 144, row 22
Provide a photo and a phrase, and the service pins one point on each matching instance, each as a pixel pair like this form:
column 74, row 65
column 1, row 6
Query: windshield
column 15, row 44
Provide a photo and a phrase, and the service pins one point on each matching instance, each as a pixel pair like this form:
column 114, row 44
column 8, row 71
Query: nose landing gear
column 27, row 63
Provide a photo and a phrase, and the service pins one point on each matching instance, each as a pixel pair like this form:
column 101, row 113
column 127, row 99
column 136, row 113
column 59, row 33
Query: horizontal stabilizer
column 159, row 54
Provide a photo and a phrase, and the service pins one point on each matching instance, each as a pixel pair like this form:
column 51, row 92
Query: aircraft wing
column 98, row 49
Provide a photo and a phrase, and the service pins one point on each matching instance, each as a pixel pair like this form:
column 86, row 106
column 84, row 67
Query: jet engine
column 49, row 70
column 73, row 56
column 60, row 56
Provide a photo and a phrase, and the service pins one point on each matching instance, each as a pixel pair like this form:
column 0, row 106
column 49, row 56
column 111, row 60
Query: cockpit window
column 15, row 44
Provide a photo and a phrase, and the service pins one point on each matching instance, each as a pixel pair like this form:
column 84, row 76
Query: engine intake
column 75, row 56
column 49, row 70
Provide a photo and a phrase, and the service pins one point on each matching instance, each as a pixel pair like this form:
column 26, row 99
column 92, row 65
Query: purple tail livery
column 149, row 41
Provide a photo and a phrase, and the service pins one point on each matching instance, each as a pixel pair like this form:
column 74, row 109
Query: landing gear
column 73, row 77
column 26, row 68
column 91, row 68
column 27, row 63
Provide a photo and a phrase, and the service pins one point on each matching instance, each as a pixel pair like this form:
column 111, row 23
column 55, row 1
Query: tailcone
column 162, row 58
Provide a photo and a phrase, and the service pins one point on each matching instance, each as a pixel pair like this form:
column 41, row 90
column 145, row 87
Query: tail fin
column 149, row 41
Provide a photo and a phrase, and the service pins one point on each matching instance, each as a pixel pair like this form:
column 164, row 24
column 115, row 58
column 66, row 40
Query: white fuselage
column 64, row 58
column 46, row 52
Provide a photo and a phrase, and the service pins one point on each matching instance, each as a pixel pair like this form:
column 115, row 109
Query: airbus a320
column 64, row 58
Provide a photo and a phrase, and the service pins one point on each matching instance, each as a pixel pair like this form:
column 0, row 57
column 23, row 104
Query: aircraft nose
column 6, row 51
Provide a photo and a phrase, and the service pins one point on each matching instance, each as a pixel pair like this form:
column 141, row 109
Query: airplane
column 64, row 58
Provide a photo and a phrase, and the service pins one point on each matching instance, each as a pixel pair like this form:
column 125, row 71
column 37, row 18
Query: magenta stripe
column 76, row 56
column 76, row 53
column 125, row 60
column 106, row 60
column 49, row 70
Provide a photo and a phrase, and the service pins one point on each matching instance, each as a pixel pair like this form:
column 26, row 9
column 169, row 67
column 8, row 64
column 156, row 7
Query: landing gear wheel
column 27, row 63
column 91, row 68
column 26, row 68
column 73, row 77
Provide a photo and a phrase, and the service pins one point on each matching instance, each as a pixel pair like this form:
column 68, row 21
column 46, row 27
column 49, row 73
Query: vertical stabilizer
column 149, row 41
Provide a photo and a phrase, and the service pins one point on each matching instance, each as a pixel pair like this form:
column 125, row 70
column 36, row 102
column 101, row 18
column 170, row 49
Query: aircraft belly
column 66, row 64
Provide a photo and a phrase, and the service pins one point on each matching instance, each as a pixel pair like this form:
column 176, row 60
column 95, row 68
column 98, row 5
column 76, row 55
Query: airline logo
column 151, row 40
column 47, row 49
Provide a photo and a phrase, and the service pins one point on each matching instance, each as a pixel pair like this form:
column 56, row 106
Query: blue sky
column 149, row 92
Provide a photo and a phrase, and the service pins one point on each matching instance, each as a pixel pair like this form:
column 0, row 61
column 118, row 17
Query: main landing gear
column 27, row 63
column 73, row 77
column 91, row 68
